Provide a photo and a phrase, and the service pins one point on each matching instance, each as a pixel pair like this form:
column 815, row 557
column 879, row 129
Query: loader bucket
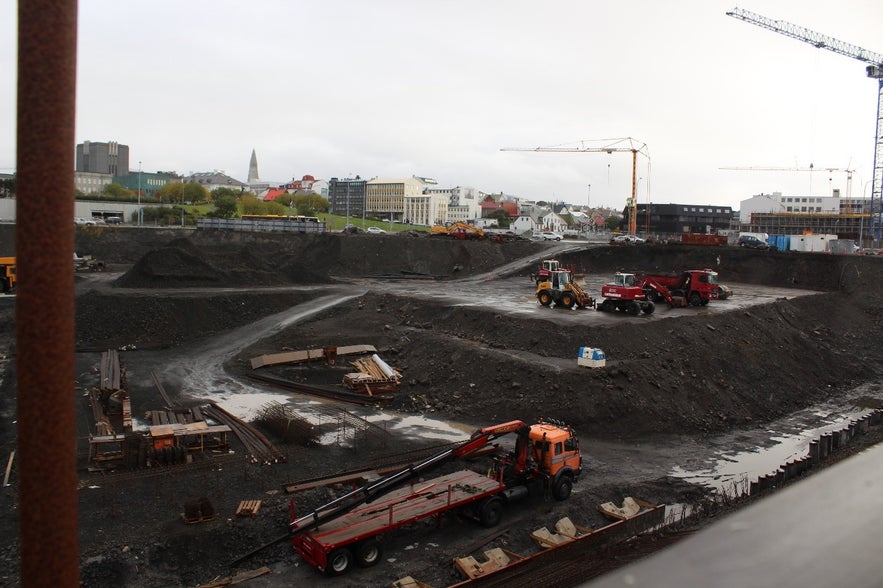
column 678, row 302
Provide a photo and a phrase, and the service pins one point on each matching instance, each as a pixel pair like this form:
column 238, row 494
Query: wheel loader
column 560, row 289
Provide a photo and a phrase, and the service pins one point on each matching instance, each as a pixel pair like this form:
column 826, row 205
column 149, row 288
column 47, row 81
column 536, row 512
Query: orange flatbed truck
column 347, row 530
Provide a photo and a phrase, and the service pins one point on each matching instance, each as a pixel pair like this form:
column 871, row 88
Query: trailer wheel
column 695, row 299
column 339, row 561
column 562, row 488
column 490, row 513
column 369, row 552
column 545, row 298
column 649, row 308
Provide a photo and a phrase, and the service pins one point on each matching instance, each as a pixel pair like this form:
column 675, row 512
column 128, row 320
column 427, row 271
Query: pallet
column 248, row 508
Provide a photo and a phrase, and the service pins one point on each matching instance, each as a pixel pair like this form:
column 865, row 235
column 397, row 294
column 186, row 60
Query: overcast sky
column 429, row 88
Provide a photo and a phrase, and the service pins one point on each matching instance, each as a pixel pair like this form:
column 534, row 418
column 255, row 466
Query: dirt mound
column 212, row 258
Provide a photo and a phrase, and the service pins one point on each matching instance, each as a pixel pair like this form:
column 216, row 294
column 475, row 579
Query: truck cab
column 555, row 449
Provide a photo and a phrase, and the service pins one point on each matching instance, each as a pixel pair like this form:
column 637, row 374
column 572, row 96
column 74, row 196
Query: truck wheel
column 369, row 552
column 695, row 299
column 649, row 308
column 566, row 301
column 490, row 513
column 545, row 298
column 339, row 561
column 562, row 488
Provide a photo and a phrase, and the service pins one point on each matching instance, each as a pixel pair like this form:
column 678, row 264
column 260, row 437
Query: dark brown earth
column 673, row 383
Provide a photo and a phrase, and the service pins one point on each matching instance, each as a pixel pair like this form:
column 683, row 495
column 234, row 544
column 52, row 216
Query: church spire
column 253, row 168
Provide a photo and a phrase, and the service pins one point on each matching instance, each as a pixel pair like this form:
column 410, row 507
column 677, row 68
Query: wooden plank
column 248, row 508
column 306, row 355
column 8, row 468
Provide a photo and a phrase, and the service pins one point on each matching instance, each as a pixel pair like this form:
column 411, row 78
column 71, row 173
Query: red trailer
column 352, row 538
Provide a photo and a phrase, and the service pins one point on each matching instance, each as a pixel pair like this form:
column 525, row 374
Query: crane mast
column 627, row 144
column 874, row 70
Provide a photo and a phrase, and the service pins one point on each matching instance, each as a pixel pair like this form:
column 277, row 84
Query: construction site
column 378, row 410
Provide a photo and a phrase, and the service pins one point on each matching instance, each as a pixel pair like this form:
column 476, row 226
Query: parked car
column 113, row 220
column 626, row 240
column 550, row 236
column 752, row 242
column 83, row 221
column 375, row 231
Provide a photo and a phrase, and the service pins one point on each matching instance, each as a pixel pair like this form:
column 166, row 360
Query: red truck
column 694, row 287
column 636, row 293
column 347, row 530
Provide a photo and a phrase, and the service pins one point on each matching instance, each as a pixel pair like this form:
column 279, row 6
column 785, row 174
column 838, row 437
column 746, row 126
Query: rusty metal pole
column 47, row 50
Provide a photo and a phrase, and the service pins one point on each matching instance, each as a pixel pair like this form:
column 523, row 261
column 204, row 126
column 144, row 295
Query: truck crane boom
column 874, row 70
column 612, row 146
column 364, row 494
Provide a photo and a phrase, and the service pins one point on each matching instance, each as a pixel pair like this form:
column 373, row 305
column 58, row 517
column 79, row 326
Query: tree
column 116, row 190
column 7, row 187
column 309, row 203
column 195, row 193
column 502, row 217
column 284, row 199
column 223, row 191
column 225, row 206
column 251, row 204
column 612, row 223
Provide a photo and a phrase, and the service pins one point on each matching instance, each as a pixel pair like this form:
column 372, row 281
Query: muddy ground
column 172, row 299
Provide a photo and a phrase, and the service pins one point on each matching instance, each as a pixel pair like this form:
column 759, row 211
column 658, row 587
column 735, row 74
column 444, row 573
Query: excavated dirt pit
column 193, row 310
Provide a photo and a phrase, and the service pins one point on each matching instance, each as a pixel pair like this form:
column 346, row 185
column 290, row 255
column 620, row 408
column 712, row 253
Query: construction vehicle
column 694, row 287
column 561, row 289
column 87, row 263
column 547, row 266
column 625, row 294
column 346, row 531
column 7, row 275
column 457, row 230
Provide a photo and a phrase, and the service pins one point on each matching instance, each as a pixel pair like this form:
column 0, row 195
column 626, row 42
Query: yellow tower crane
column 874, row 69
column 626, row 144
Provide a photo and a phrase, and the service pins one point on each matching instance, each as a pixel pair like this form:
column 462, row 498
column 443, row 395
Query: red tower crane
column 874, row 70
column 627, row 144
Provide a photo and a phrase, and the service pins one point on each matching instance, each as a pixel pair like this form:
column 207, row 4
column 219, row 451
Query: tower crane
column 626, row 144
column 874, row 69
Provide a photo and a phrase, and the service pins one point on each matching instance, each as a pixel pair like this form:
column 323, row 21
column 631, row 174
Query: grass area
column 336, row 222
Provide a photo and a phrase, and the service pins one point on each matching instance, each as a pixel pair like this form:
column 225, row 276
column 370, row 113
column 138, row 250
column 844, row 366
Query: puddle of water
column 732, row 470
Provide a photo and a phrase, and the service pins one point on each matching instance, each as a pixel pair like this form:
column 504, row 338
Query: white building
column 91, row 182
column 776, row 203
column 428, row 208
column 462, row 204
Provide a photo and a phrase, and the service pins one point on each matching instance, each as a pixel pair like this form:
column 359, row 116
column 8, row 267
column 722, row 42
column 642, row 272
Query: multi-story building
column 427, row 208
column 666, row 220
column 149, row 183
column 463, row 204
column 307, row 184
column 91, row 184
column 346, row 197
column 385, row 198
column 103, row 158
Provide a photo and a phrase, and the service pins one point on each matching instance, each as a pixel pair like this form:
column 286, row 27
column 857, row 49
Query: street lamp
column 182, row 201
column 140, row 215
